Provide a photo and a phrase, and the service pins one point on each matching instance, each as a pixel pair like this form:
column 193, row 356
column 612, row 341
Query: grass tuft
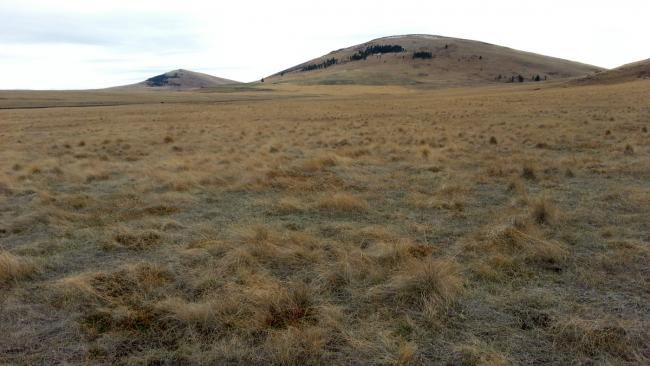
column 342, row 203
column 15, row 268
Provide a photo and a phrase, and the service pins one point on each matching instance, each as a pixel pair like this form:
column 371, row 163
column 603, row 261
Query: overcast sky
column 74, row 44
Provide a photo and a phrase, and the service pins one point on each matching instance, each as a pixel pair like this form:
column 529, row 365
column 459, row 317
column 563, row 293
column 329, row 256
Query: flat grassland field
column 326, row 225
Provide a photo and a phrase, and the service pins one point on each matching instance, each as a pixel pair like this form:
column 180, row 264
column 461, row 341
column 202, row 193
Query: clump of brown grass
column 14, row 268
column 543, row 211
column 425, row 152
column 517, row 185
column 569, row 173
column 116, row 301
column 160, row 210
column 392, row 253
column 297, row 346
column 600, row 337
column 533, row 249
column 511, row 251
column 289, row 205
column 200, row 313
column 343, row 202
column 422, row 283
column 450, row 196
column 280, row 251
column 137, row 239
column 629, row 150
column 290, row 307
column 319, row 163
column 478, row 353
column 212, row 315
column 528, row 172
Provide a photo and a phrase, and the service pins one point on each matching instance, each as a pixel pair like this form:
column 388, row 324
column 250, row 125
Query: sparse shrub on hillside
column 424, row 55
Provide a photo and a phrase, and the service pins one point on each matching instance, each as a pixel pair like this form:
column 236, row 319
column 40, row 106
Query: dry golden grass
column 13, row 268
column 342, row 202
column 326, row 225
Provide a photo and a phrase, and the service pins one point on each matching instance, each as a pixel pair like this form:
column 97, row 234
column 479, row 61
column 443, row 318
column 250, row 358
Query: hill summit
column 444, row 61
column 181, row 80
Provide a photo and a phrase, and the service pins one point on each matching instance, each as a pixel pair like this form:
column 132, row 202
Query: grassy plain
column 326, row 225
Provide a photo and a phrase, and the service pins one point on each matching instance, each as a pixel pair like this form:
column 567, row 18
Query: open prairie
column 305, row 225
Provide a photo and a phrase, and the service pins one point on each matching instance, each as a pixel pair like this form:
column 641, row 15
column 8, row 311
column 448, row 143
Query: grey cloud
column 144, row 32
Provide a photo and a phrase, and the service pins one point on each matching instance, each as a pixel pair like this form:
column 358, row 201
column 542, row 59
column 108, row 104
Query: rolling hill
column 630, row 72
column 180, row 80
column 444, row 61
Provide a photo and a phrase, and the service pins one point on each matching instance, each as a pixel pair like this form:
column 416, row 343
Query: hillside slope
column 630, row 72
column 180, row 80
column 445, row 61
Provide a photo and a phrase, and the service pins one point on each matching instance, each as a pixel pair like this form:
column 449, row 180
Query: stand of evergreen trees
column 160, row 80
column 360, row 55
column 373, row 50
column 422, row 55
column 519, row 78
column 323, row 65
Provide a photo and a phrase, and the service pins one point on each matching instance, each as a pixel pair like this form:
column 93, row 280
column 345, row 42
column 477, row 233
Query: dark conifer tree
column 422, row 55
